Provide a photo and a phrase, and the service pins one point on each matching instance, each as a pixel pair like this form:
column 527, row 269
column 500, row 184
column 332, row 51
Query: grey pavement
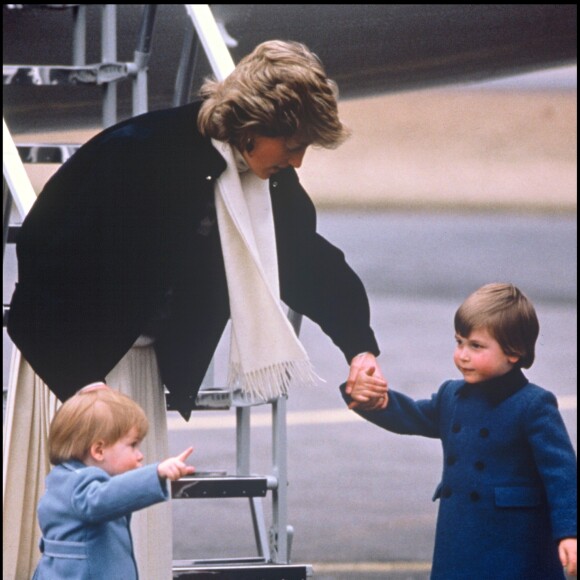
column 358, row 496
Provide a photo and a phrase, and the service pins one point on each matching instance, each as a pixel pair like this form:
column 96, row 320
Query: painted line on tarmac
column 222, row 420
column 369, row 567
column 261, row 419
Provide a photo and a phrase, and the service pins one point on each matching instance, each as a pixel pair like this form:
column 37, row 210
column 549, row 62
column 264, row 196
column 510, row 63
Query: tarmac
column 451, row 148
column 438, row 149
column 415, row 164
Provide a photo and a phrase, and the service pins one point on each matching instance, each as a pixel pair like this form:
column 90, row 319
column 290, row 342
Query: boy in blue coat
column 508, row 504
column 95, row 485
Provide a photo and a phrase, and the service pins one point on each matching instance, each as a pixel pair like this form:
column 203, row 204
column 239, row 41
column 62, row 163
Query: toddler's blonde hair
column 100, row 414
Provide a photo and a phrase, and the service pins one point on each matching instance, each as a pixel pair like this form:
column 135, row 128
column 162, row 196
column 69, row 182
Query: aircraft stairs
column 273, row 543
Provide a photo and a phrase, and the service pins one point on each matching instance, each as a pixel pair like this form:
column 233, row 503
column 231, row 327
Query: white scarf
column 265, row 353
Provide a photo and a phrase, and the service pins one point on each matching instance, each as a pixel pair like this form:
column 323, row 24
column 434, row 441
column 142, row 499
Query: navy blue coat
column 123, row 241
column 84, row 516
column 508, row 490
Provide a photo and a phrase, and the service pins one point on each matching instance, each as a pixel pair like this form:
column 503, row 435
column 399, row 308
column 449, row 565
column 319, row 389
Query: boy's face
column 123, row 455
column 479, row 357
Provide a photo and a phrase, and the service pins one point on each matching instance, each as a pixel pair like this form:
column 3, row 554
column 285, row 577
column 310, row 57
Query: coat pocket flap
column 518, row 496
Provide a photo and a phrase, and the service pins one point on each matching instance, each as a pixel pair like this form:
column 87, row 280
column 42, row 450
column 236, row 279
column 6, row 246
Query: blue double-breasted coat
column 508, row 489
column 84, row 516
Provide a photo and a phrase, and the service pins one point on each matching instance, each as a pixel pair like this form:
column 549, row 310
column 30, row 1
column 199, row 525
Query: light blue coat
column 84, row 516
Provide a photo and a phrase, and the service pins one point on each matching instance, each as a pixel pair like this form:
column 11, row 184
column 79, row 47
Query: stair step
column 39, row 6
column 37, row 75
column 216, row 399
column 207, row 400
column 240, row 571
column 46, row 152
column 218, row 484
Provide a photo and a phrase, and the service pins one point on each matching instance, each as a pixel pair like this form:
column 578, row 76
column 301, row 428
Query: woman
column 161, row 228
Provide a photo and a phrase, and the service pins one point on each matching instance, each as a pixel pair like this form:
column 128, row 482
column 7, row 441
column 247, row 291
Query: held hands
column 567, row 551
column 366, row 384
column 174, row 467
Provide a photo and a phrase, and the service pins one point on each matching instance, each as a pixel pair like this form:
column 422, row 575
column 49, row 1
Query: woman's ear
column 513, row 359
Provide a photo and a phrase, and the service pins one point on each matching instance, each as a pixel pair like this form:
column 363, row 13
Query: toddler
column 96, row 483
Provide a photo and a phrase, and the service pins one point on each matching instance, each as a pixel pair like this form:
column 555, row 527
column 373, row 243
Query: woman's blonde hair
column 507, row 314
column 100, row 414
column 278, row 90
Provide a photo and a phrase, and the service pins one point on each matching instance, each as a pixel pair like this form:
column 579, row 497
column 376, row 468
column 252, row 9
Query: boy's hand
column 567, row 550
column 368, row 391
column 174, row 467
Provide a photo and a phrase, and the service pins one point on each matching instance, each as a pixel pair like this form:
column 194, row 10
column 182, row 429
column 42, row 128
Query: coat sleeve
column 97, row 497
column 556, row 462
column 315, row 279
column 405, row 416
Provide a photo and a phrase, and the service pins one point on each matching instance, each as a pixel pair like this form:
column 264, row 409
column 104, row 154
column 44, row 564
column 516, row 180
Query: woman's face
column 268, row 155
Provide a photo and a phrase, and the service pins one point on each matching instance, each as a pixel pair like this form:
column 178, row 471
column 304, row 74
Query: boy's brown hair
column 89, row 416
column 507, row 314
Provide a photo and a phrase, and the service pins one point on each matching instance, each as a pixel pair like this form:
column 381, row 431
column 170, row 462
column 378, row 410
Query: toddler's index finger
column 185, row 454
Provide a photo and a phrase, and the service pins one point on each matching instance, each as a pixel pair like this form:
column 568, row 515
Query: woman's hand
column 366, row 384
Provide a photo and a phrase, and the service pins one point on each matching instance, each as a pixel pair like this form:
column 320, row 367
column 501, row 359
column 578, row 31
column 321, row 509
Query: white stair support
column 212, row 41
column 13, row 169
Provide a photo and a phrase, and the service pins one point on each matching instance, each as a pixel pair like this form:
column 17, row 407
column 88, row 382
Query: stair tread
column 241, row 571
column 219, row 484
column 46, row 152
column 37, row 75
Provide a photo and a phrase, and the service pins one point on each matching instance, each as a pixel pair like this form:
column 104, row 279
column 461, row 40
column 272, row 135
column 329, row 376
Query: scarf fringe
column 262, row 338
column 272, row 381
